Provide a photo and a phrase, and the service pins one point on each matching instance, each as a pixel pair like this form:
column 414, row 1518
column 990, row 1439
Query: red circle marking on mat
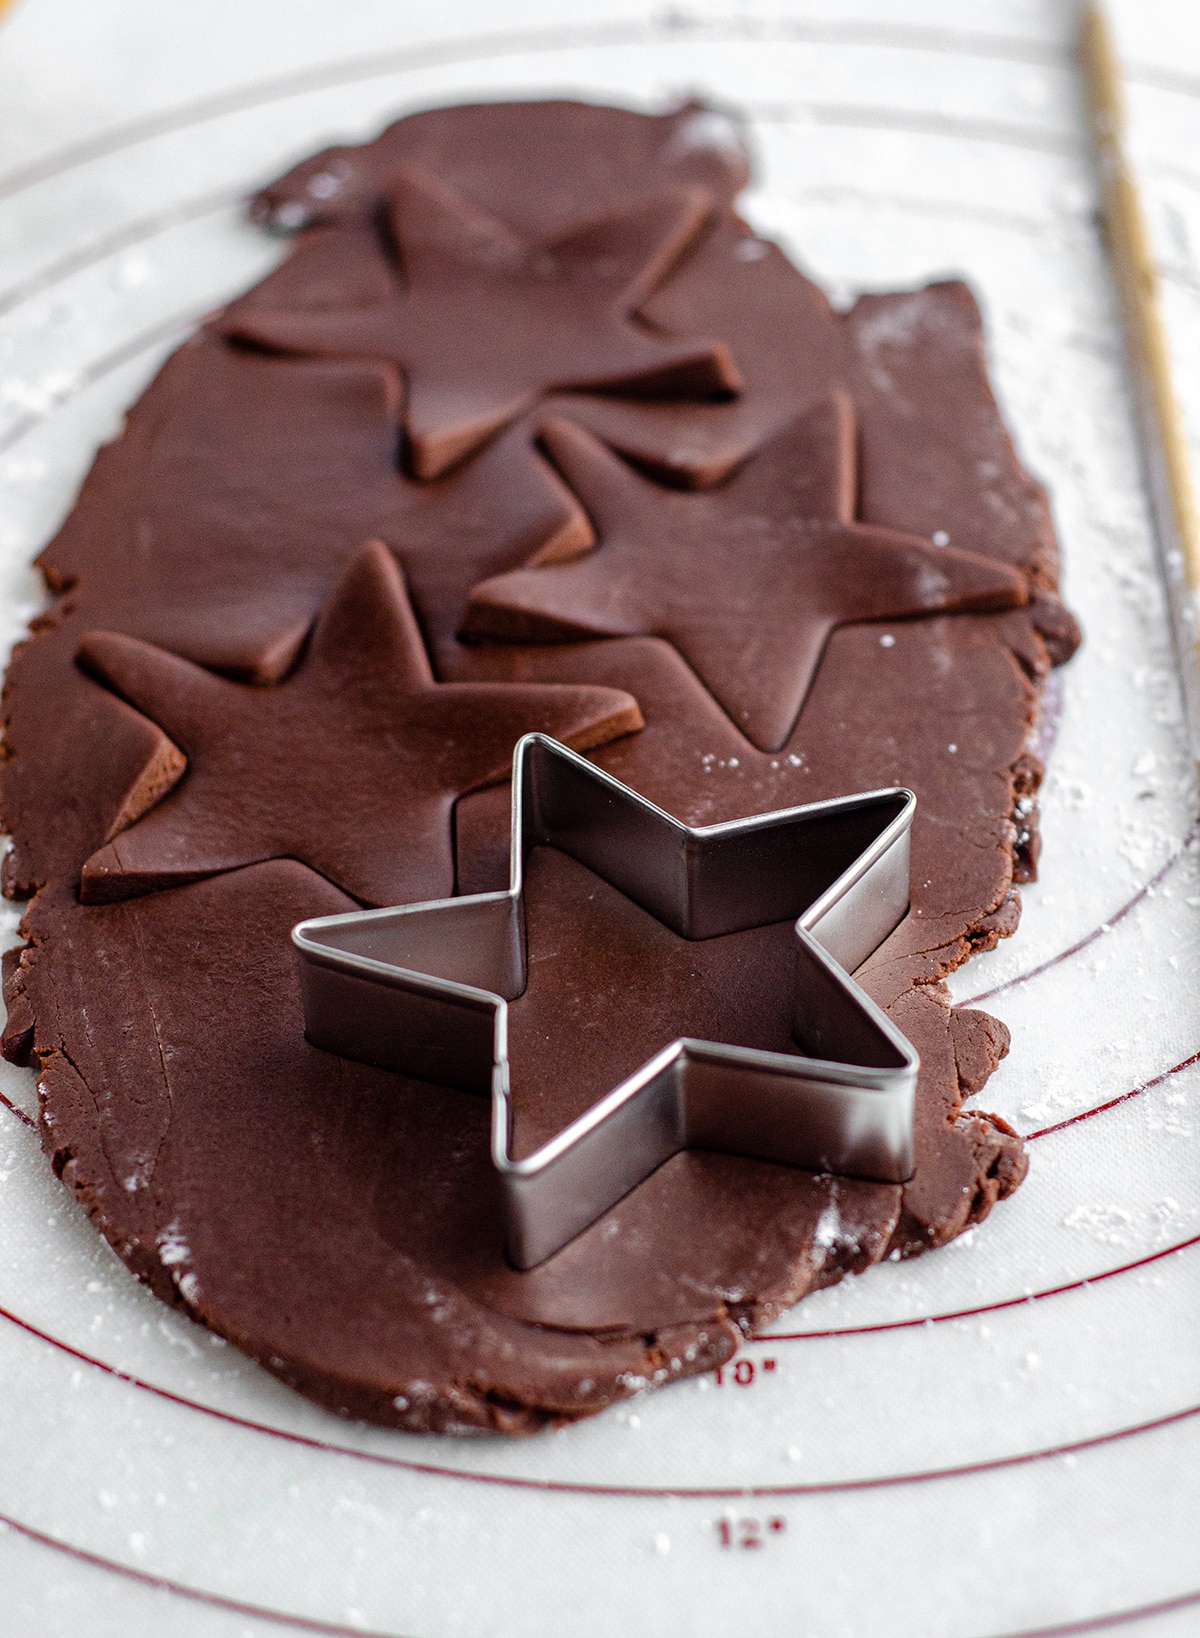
column 1103, row 1623
column 1105, row 927
column 984, row 1308
column 129, row 135
column 570, row 1487
column 161, row 1583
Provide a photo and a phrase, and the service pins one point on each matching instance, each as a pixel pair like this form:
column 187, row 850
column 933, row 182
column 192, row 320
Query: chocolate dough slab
column 542, row 167
column 560, row 313
column 781, row 567
column 337, row 1222
column 353, row 763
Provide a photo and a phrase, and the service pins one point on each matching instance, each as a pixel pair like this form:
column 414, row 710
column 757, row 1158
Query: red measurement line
column 179, row 1589
column 1124, row 1097
column 302, row 1623
column 15, row 1109
column 1028, row 1137
column 309, row 1625
column 786, row 1336
column 1105, row 1623
column 1105, row 927
column 783, row 1336
column 984, row 1308
column 567, row 1487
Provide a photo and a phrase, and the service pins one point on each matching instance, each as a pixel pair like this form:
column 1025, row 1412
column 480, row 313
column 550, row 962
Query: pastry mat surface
column 1003, row 1438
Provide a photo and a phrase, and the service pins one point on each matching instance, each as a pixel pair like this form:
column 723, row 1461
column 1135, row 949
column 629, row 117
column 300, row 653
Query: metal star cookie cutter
column 424, row 989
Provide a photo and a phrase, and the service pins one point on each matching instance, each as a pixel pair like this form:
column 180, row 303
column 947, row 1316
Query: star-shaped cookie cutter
column 424, row 989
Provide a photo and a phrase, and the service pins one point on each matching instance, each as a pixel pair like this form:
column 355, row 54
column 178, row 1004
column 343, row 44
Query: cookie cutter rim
column 424, row 989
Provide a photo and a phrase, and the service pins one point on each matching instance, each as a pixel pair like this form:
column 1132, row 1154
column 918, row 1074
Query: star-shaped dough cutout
column 217, row 525
column 483, row 322
column 352, row 765
column 746, row 580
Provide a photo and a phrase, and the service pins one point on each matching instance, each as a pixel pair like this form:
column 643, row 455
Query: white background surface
column 897, row 140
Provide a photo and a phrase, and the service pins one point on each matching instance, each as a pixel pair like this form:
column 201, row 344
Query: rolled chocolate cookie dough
column 527, row 431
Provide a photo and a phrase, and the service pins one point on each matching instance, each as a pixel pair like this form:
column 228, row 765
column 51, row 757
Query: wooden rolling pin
column 1160, row 423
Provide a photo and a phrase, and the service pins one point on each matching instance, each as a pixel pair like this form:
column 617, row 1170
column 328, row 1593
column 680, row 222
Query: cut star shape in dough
column 352, row 765
column 483, row 322
column 747, row 580
column 411, row 989
column 217, row 525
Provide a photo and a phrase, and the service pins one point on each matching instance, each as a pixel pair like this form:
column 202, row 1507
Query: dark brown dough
column 336, row 1222
column 542, row 167
column 792, row 351
column 214, row 527
column 297, row 463
column 560, row 313
column 353, row 764
column 746, row 580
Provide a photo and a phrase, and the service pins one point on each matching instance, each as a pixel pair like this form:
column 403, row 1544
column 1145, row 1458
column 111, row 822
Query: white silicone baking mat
column 1002, row 1438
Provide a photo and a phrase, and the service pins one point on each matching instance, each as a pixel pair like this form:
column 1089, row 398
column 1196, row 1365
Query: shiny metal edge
column 825, row 1112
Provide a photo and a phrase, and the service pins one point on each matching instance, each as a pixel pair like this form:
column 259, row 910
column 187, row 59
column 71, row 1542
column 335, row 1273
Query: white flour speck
column 172, row 1247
